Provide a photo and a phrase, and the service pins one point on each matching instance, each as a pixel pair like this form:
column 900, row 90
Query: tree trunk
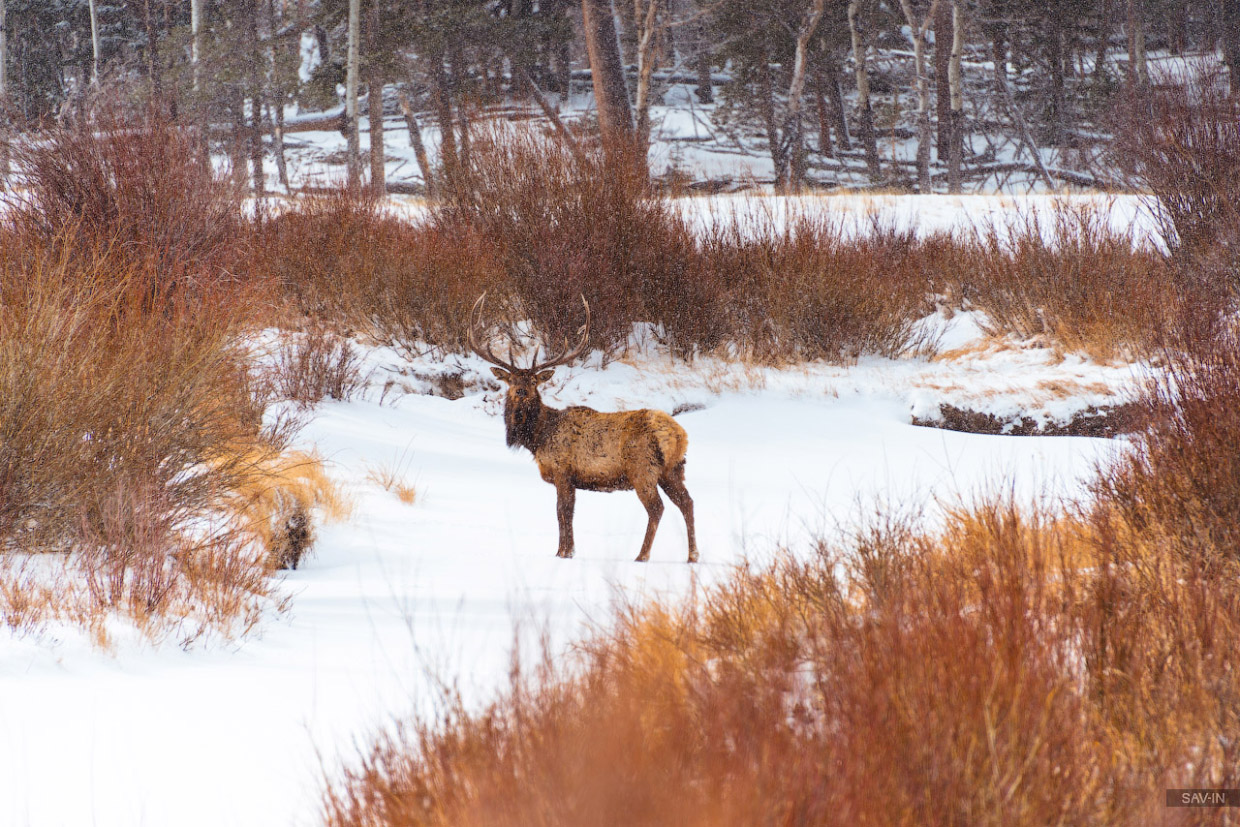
column 253, row 81
column 790, row 163
column 94, row 43
column 942, row 91
column 237, row 151
column 766, row 105
column 276, row 110
column 463, row 142
column 865, row 114
column 645, row 18
column 1059, row 105
column 352, row 61
column 276, row 99
column 836, row 95
column 554, row 116
column 615, row 116
column 374, row 97
column 955, row 84
column 442, row 102
column 825, row 147
column 1104, row 40
column 4, row 54
column 924, row 131
column 1231, row 41
column 4, row 98
column 705, row 89
column 1138, row 74
column 415, row 141
column 195, row 45
column 152, row 54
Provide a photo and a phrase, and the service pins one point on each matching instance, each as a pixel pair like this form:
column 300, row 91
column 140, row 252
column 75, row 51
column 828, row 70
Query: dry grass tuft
column 275, row 505
column 393, row 480
column 138, row 188
column 344, row 262
column 318, row 364
column 1075, row 281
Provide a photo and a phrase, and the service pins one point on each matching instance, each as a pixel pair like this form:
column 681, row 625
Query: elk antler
column 564, row 358
column 475, row 316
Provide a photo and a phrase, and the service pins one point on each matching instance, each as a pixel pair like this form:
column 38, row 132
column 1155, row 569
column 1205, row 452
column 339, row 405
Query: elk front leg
column 649, row 495
column 565, row 500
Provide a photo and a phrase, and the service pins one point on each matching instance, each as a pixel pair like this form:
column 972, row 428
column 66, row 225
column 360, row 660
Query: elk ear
column 501, row 374
column 544, row 376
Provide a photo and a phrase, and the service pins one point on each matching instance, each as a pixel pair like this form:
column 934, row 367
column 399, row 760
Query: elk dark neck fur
column 529, row 423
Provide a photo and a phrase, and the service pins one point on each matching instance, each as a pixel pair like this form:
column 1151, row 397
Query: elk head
column 523, row 406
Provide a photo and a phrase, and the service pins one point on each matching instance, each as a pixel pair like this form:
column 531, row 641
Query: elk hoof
column 564, row 555
column 693, row 556
column 642, row 558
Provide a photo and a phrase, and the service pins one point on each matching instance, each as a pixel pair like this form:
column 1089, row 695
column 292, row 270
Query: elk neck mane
column 527, row 424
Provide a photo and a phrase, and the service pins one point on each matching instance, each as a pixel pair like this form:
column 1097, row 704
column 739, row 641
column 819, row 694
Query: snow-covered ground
column 401, row 596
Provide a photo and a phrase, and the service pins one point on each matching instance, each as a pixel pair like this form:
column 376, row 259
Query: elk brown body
column 581, row 448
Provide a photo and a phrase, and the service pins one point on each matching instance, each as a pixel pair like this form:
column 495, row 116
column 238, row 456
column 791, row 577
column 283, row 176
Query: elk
column 581, row 448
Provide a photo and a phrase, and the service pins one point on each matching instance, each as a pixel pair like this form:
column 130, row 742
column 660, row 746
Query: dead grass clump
column 316, row 365
column 1180, row 487
column 1074, row 280
column 344, row 262
column 811, row 291
column 1183, row 145
column 275, row 505
column 564, row 225
column 137, row 186
column 128, row 429
column 392, row 479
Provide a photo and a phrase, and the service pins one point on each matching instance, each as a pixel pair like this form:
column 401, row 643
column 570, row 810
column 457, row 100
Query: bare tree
column 152, row 51
column 955, row 85
column 924, row 134
column 942, row 92
column 999, row 59
column 254, row 84
column 4, row 98
column 615, row 116
column 4, row 54
column 415, row 140
column 276, row 97
column 1138, row 72
column 350, row 96
column 374, row 97
column 646, row 19
column 789, row 161
column 94, row 43
column 865, row 112
column 195, row 44
column 1231, row 41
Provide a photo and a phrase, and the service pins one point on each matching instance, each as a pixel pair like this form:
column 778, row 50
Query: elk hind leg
column 673, row 484
column 648, row 493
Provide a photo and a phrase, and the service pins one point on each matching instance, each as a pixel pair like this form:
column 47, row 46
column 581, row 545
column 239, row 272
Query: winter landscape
column 943, row 295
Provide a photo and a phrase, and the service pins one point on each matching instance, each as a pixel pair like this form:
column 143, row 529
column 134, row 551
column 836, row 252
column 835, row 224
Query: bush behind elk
column 581, row 448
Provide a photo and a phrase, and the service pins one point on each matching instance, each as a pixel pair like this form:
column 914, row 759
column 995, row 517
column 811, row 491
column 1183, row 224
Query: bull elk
column 581, row 448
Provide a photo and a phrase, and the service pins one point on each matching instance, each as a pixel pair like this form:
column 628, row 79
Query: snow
column 399, row 597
